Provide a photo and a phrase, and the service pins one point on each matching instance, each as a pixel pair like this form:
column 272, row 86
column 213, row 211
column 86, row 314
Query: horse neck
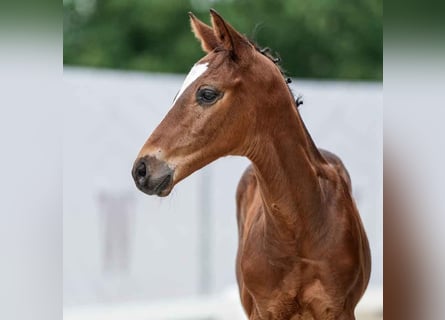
column 287, row 165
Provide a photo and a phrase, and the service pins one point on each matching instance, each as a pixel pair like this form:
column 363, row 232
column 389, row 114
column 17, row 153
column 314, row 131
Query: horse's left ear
column 228, row 37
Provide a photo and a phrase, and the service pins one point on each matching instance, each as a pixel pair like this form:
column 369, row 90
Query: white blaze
column 195, row 73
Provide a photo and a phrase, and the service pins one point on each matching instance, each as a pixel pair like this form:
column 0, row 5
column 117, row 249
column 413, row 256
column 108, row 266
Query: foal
column 303, row 252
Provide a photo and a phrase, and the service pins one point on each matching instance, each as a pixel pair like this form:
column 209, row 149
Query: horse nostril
column 141, row 170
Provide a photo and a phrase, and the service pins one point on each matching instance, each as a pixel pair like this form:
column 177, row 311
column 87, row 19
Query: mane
column 267, row 52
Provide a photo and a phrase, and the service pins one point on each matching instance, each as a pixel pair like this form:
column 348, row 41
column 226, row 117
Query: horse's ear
column 230, row 39
column 203, row 33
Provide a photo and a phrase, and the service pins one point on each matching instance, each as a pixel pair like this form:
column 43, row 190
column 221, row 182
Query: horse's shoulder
column 247, row 181
column 245, row 194
column 336, row 162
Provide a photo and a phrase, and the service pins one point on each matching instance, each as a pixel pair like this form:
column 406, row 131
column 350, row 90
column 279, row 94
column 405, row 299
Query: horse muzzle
column 152, row 176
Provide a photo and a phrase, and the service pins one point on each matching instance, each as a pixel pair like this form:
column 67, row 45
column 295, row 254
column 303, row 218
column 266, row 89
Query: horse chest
column 261, row 271
column 274, row 286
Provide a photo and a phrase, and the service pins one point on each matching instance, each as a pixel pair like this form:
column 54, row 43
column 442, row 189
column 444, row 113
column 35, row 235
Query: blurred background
column 130, row 256
column 316, row 39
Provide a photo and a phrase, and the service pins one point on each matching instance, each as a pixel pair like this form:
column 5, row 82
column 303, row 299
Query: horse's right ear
column 203, row 33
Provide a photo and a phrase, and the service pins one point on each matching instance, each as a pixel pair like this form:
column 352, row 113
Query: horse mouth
column 164, row 188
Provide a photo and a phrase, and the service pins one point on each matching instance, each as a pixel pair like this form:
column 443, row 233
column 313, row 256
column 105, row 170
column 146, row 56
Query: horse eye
column 207, row 96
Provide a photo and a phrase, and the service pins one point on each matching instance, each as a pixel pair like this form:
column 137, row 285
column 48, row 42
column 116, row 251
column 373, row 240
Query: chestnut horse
column 303, row 252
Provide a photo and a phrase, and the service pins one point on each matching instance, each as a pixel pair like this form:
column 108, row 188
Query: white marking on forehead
column 195, row 73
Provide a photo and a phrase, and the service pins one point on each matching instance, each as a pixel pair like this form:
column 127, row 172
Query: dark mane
column 267, row 52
